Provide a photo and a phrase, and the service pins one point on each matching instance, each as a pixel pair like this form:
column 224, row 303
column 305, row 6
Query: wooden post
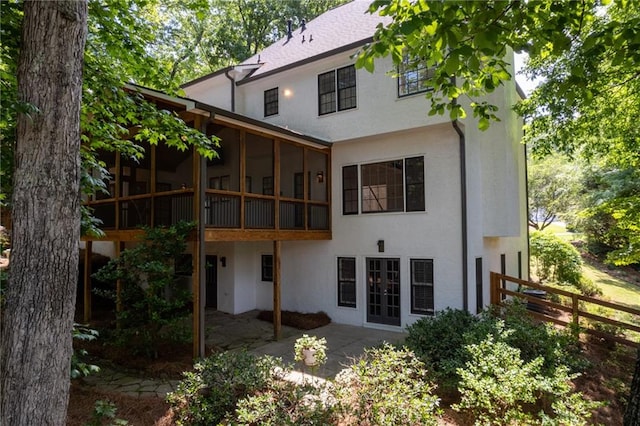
column 243, row 172
column 87, row 281
column 277, row 319
column 198, row 250
column 119, row 247
column 494, row 282
column 574, row 305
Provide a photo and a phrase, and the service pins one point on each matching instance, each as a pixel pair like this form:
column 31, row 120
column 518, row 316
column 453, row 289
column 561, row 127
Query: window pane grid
column 346, row 88
column 270, row 102
column 412, row 78
column 327, row 93
column 414, row 177
column 347, row 282
column 422, row 286
column 337, row 90
column 382, row 187
column 350, row 190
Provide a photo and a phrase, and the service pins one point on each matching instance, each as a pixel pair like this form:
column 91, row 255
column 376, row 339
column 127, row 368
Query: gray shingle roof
column 338, row 28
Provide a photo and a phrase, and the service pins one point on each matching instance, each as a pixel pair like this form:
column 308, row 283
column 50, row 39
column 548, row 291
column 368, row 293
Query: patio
column 245, row 331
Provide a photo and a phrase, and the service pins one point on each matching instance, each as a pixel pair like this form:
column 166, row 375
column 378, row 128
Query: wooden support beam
column 152, row 189
column 198, row 247
column 119, row 248
column 88, row 246
column 277, row 313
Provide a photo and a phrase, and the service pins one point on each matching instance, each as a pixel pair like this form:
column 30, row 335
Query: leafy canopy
column 467, row 43
column 116, row 53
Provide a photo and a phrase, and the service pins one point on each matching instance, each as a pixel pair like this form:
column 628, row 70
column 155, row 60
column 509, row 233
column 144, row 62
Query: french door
column 383, row 291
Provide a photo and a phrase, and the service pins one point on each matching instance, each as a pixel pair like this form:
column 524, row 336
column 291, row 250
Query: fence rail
column 500, row 291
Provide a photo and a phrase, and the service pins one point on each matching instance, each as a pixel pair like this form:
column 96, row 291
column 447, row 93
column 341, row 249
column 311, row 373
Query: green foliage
column 205, row 36
column 212, row 390
column 497, row 384
column 469, row 41
column 438, row 342
column 105, row 411
column 285, row 403
column 151, row 296
column 79, row 368
column 588, row 101
column 611, row 221
column 387, row 386
column 553, row 189
column 556, row 347
column 117, row 52
column 555, row 259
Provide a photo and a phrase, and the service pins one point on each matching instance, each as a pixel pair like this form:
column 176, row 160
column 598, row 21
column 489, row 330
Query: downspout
column 526, row 191
column 233, row 89
column 463, row 206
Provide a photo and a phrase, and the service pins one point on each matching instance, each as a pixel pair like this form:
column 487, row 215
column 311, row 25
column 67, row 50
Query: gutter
column 233, row 89
column 463, row 199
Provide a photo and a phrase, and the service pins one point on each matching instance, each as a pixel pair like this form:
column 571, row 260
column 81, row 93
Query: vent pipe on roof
column 304, row 25
column 289, row 31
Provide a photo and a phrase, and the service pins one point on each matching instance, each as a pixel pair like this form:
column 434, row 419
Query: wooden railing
column 571, row 303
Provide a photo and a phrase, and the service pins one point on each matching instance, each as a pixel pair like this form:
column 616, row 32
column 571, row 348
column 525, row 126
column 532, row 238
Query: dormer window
column 337, row 90
column 412, row 78
column 271, row 102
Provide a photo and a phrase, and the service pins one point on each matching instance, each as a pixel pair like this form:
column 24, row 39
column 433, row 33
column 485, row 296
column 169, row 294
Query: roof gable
column 343, row 27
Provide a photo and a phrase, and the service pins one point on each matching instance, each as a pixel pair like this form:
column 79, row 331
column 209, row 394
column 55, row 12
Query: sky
column 525, row 84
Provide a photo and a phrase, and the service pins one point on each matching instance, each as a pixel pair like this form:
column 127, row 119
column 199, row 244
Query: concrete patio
column 245, row 331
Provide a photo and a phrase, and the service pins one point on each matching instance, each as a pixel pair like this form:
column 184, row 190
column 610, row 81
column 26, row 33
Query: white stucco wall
column 384, row 127
column 214, row 91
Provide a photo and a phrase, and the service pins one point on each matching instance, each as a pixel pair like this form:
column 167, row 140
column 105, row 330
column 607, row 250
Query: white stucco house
column 354, row 201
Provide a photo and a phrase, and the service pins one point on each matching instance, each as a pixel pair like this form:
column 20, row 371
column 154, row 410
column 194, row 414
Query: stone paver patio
column 245, row 331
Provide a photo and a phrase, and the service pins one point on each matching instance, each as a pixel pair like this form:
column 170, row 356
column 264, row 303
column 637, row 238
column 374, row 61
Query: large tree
column 54, row 140
column 553, row 190
column 212, row 34
column 38, row 313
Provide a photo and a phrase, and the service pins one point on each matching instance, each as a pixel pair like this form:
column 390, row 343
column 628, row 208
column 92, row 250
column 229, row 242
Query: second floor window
column 412, row 78
column 337, row 90
column 271, row 102
column 388, row 186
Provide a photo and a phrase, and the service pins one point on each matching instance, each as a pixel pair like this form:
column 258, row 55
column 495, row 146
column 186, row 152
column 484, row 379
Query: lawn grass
column 614, row 289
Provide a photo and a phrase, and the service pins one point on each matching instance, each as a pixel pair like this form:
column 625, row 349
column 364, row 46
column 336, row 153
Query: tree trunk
column 632, row 415
column 39, row 308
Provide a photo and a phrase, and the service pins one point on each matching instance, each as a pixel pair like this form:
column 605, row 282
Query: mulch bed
column 297, row 319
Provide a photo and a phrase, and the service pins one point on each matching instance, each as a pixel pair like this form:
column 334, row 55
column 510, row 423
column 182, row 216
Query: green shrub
column 285, row 403
column 105, row 411
column 207, row 394
column 80, row 368
column 497, row 386
column 588, row 287
column 152, row 299
column 387, row 386
column 555, row 259
column 495, row 382
column 438, row 342
column 532, row 338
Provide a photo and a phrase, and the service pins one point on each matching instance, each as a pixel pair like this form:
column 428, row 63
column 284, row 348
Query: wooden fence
column 573, row 305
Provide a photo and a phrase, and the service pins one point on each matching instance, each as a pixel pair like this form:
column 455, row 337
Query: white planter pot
column 309, row 357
